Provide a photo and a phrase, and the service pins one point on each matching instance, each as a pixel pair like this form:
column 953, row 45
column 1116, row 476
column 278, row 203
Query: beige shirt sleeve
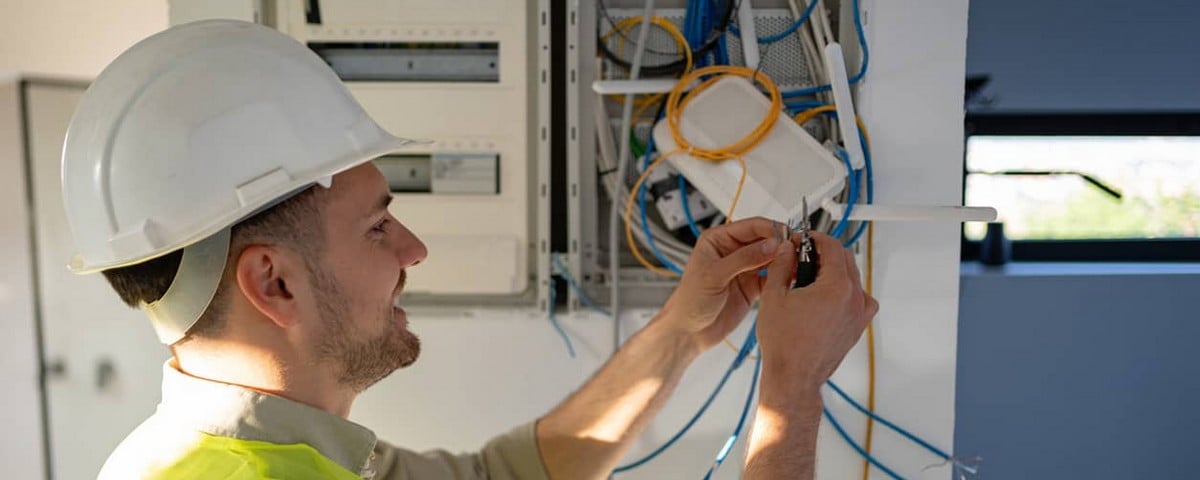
column 511, row 456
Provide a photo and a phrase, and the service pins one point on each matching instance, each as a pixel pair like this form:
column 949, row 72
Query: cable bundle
column 676, row 102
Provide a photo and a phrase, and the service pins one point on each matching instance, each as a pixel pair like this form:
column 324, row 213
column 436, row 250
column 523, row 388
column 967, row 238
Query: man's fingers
column 782, row 269
column 747, row 258
column 732, row 236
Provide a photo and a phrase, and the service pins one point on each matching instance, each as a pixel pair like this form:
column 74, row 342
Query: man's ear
column 266, row 276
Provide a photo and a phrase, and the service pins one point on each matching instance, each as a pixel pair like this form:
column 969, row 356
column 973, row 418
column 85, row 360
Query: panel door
column 109, row 362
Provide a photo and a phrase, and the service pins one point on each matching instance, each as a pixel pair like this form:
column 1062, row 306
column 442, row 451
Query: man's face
column 358, row 278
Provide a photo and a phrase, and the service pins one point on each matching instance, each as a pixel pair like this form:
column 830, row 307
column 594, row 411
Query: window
column 1087, row 188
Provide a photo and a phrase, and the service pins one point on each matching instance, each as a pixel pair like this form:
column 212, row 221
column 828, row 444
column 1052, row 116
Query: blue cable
column 747, row 347
column 798, row 107
column 862, row 71
column 566, row 275
column 722, row 51
column 905, row 433
column 691, row 17
column 852, row 178
column 687, row 210
column 863, row 453
column 708, row 25
column 737, row 430
column 862, row 227
column 805, row 92
column 645, row 222
column 786, row 32
column 554, row 322
column 862, row 43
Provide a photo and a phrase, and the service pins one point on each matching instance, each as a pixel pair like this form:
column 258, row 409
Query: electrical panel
column 785, row 61
column 461, row 74
column 632, row 100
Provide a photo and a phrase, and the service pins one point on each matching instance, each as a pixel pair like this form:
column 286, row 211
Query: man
column 219, row 175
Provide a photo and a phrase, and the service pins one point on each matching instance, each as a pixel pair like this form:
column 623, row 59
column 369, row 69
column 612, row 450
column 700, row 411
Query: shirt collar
column 232, row 411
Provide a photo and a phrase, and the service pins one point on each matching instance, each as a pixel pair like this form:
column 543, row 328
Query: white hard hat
column 194, row 129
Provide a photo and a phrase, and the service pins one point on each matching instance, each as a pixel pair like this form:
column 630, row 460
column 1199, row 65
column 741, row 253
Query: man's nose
column 412, row 250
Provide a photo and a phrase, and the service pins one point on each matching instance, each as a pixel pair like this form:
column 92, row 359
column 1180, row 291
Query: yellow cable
column 624, row 26
column 627, row 24
column 870, row 347
column 802, row 118
column 652, row 100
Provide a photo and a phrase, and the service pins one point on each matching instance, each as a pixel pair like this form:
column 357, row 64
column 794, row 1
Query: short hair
column 295, row 222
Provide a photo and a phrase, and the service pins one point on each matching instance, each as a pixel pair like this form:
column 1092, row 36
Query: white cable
column 826, row 29
column 746, row 24
column 816, row 63
column 816, row 70
column 839, row 83
column 614, row 220
column 823, row 34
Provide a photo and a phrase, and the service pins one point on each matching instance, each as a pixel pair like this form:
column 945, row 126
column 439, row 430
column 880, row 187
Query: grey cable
column 672, row 248
column 614, row 219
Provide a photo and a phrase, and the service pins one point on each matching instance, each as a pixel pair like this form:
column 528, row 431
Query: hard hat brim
column 388, row 144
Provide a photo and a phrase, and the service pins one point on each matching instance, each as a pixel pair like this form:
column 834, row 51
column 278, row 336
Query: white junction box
column 787, row 166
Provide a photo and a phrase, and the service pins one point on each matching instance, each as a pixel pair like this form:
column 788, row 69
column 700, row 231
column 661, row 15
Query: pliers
column 806, row 265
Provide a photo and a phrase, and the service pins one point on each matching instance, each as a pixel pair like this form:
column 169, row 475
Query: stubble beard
column 359, row 362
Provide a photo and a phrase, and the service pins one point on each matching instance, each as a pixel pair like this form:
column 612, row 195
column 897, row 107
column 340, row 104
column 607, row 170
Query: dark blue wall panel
column 1087, row 55
column 1081, row 376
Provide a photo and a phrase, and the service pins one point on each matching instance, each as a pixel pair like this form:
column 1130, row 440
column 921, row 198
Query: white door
column 105, row 362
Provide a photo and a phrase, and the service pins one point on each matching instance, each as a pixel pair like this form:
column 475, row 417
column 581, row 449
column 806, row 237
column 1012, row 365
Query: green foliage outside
column 1092, row 214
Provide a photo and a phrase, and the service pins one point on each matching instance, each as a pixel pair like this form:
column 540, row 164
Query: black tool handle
column 806, row 272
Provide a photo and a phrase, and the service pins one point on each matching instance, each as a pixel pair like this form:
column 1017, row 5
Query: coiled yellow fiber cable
column 676, row 103
column 624, row 26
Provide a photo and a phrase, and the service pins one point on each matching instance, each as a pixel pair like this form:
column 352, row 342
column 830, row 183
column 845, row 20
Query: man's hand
column 807, row 331
column 720, row 281
column 803, row 334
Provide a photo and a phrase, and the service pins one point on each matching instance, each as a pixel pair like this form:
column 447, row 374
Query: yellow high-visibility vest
column 227, row 458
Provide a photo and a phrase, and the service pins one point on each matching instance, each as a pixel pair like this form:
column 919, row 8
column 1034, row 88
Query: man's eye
column 381, row 226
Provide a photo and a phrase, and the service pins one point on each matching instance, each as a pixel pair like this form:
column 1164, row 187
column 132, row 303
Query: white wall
column 73, row 37
column 48, row 38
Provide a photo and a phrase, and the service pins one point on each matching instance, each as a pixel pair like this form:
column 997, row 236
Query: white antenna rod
column 835, row 64
column 903, row 213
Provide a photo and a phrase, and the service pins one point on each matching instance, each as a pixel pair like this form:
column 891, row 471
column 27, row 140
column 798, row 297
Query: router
column 787, row 166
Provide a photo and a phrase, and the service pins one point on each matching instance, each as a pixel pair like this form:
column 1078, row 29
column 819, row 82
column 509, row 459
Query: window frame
column 1083, row 124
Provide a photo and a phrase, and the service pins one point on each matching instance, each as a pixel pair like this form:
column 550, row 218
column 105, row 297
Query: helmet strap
column 192, row 290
